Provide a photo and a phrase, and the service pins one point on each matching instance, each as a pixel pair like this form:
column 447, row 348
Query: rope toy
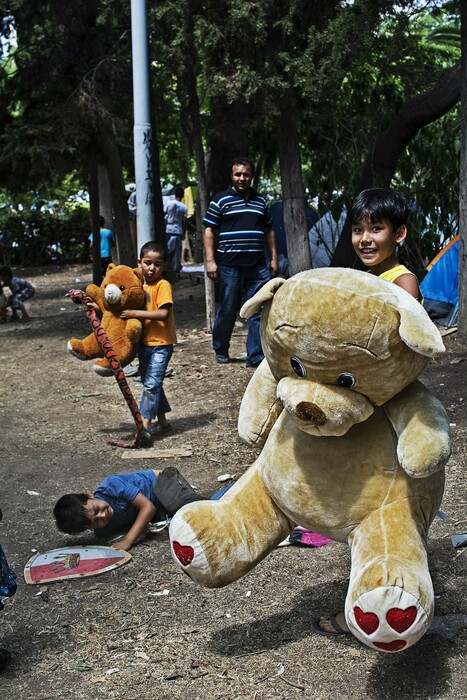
column 80, row 297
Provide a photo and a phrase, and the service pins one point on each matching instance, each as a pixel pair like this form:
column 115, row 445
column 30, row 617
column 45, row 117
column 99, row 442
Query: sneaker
column 160, row 428
column 146, row 438
column 173, row 491
column 223, row 359
column 253, row 364
column 130, row 370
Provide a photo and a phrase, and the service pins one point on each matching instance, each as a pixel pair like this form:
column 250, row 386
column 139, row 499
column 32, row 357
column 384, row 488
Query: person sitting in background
column 21, row 289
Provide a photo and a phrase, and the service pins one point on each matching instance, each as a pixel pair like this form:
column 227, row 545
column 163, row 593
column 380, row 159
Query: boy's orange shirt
column 157, row 332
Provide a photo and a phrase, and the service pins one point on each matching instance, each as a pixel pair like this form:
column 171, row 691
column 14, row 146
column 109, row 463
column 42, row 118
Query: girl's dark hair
column 376, row 204
column 69, row 513
column 152, row 247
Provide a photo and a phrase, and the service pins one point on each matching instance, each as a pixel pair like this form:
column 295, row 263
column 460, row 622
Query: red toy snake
column 80, row 297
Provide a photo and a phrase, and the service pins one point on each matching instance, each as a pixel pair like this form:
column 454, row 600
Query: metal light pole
column 142, row 124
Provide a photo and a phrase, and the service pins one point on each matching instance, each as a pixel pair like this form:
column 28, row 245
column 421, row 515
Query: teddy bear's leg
column 84, row 349
column 217, row 542
column 390, row 601
column 133, row 330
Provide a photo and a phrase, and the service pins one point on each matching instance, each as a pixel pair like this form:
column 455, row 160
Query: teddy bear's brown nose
column 308, row 411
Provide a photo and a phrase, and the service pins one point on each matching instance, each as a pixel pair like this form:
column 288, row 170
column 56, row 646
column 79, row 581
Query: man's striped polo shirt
column 241, row 223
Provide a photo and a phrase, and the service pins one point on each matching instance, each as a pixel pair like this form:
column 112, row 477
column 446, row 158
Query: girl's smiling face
column 375, row 243
column 152, row 266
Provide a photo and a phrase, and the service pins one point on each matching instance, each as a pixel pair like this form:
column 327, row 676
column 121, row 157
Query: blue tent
column 440, row 285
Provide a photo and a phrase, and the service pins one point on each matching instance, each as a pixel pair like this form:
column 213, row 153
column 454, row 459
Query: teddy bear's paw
column 102, row 371
column 74, row 352
column 188, row 552
column 388, row 619
column 424, row 457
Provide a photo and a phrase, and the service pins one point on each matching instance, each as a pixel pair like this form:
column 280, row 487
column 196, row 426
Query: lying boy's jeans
column 173, row 491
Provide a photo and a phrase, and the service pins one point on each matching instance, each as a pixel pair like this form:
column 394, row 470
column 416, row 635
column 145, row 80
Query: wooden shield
column 73, row 562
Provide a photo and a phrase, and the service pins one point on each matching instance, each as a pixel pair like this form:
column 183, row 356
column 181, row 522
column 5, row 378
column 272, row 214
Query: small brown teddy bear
column 121, row 288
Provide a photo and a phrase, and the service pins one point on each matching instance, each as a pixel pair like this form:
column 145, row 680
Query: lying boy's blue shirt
column 118, row 490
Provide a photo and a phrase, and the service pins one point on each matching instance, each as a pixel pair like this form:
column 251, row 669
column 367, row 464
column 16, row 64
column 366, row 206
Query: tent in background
column 440, row 285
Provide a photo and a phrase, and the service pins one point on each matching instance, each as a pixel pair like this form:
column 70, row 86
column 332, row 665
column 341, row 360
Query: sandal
column 338, row 630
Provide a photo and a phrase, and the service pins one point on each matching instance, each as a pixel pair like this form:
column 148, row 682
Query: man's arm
column 270, row 238
column 209, row 240
column 147, row 510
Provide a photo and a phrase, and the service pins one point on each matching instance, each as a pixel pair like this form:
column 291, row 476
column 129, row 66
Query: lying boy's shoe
column 173, row 491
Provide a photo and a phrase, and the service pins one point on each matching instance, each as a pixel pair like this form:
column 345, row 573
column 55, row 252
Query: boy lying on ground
column 126, row 502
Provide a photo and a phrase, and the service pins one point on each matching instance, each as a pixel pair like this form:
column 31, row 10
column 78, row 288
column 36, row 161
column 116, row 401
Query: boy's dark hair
column 69, row 513
column 242, row 161
column 101, row 221
column 5, row 273
column 376, row 204
column 153, row 247
column 179, row 192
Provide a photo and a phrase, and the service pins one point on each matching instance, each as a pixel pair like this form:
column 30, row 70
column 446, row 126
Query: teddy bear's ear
column 110, row 266
column 138, row 274
column 419, row 333
column 266, row 293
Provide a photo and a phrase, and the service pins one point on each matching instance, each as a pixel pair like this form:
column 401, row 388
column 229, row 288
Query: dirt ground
column 115, row 635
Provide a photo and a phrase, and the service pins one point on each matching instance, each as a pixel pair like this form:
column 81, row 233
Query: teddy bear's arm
column 422, row 428
column 260, row 407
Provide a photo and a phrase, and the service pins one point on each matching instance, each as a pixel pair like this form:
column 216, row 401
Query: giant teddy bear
column 121, row 288
column 354, row 448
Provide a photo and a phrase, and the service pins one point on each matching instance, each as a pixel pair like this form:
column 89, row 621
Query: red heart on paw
column 400, row 620
column 368, row 622
column 184, row 553
column 396, row 645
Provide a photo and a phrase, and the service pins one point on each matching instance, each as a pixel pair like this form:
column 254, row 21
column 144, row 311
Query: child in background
column 21, row 289
column 125, row 502
column 378, row 218
column 107, row 240
column 157, row 340
column 3, row 306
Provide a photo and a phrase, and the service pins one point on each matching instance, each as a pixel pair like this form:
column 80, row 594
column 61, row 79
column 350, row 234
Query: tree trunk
column 126, row 252
column 293, row 196
column 95, row 216
column 462, row 316
column 382, row 160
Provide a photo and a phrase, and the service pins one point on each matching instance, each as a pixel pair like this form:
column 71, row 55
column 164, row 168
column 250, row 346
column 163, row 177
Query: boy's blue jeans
column 234, row 282
column 153, row 362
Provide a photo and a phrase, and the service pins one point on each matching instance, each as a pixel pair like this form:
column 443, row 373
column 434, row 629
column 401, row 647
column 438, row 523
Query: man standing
column 175, row 219
column 240, row 219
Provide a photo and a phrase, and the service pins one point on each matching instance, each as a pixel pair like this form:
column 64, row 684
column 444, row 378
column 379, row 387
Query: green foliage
column 32, row 229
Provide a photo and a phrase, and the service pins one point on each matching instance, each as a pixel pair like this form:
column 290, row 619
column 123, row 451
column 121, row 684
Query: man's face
column 241, row 179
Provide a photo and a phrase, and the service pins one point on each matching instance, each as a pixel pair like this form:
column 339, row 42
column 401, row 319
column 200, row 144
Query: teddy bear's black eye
column 346, row 379
column 298, row 367
column 122, row 287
